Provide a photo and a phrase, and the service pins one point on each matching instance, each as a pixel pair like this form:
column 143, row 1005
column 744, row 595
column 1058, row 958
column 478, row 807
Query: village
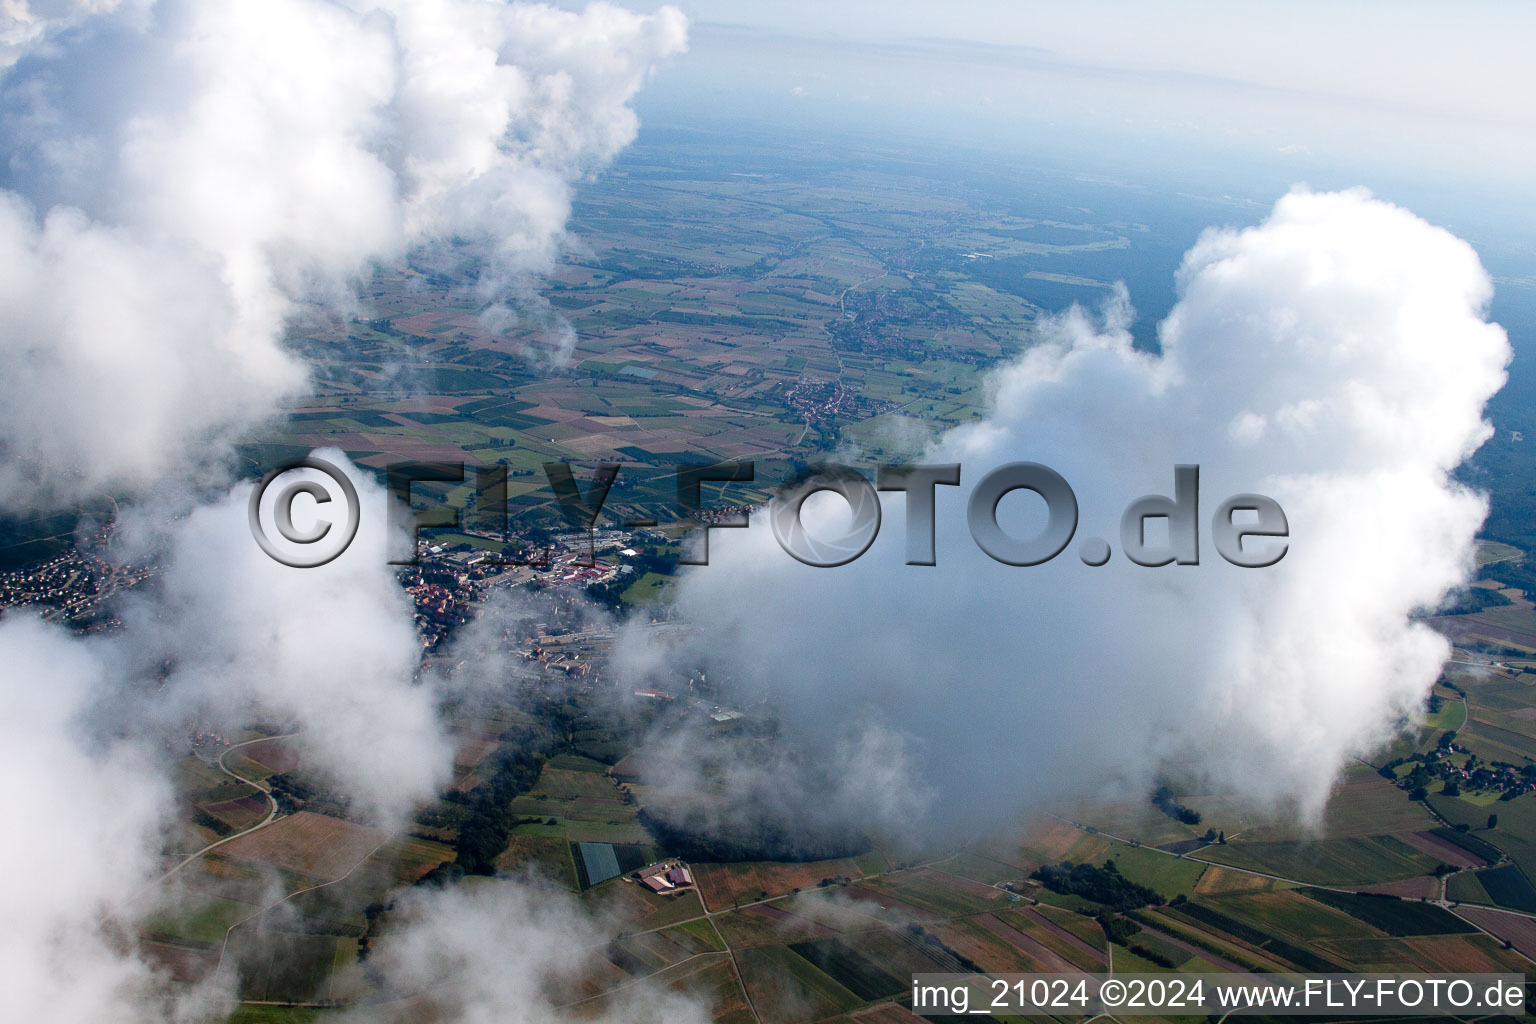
column 449, row 583
column 1459, row 770
column 74, row 587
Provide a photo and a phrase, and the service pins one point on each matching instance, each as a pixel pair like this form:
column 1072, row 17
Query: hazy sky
column 1423, row 89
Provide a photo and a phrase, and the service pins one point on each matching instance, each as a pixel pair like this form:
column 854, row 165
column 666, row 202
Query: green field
column 1451, row 717
column 1206, row 916
column 1167, row 875
column 204, row 920
column 850, row 969
column 1355, row 860
column 1391, row 915
column 290, row 968
column 1508, row 886
column 648, row 588
column 929, row 892
column 1516, row 831
column 1292, row 916
column 966, row 865
column 1465, row 887
column 246, row 1014
column 1492, row 551
column 1131, row 963
column 785, row 982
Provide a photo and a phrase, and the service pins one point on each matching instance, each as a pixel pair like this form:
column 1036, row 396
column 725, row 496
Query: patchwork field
column 573, row 801
column 849, row 306
column 1516, row 929
column 1353, row 861
column 785, row 322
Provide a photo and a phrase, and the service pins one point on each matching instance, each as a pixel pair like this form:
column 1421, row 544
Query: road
column 710, row 915
column 263, row 790
column 223, row 949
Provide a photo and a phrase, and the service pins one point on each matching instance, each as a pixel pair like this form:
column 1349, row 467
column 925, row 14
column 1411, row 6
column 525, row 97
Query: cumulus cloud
column 328, row 652
column 178, row 179
column 24, row 21
column 1334, row 358
column 181, row 176
column 452, row 954
column 228, row 637
column 775, row 800
column 88, row 805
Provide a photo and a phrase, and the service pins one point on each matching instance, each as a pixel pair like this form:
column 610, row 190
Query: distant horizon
column 1144, row 77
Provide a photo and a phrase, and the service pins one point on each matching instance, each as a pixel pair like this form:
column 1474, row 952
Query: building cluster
column 443, row 589
column 1454, row 765
column 823, row 399
column 72, row 587
column 577, row 569
column 725, row 513
column 202, row 739
column 572, row 656
column 667, row 876
column 448, row 585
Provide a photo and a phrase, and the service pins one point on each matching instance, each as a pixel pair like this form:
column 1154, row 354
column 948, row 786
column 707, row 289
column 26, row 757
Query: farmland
column 308, row 844
column 574, row 801
column 794, row 316
column 1355, row 860
column 732, row 884
column 1167, row 876
column 838, row 939
column 818, row 306
column 1393, row 916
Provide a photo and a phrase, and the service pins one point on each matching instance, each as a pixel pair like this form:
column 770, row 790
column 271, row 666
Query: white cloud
column 508, row 954
column 331, row 649
column 87, row 807
column 182, row 175
column 180, row 178
column 1354, row 329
